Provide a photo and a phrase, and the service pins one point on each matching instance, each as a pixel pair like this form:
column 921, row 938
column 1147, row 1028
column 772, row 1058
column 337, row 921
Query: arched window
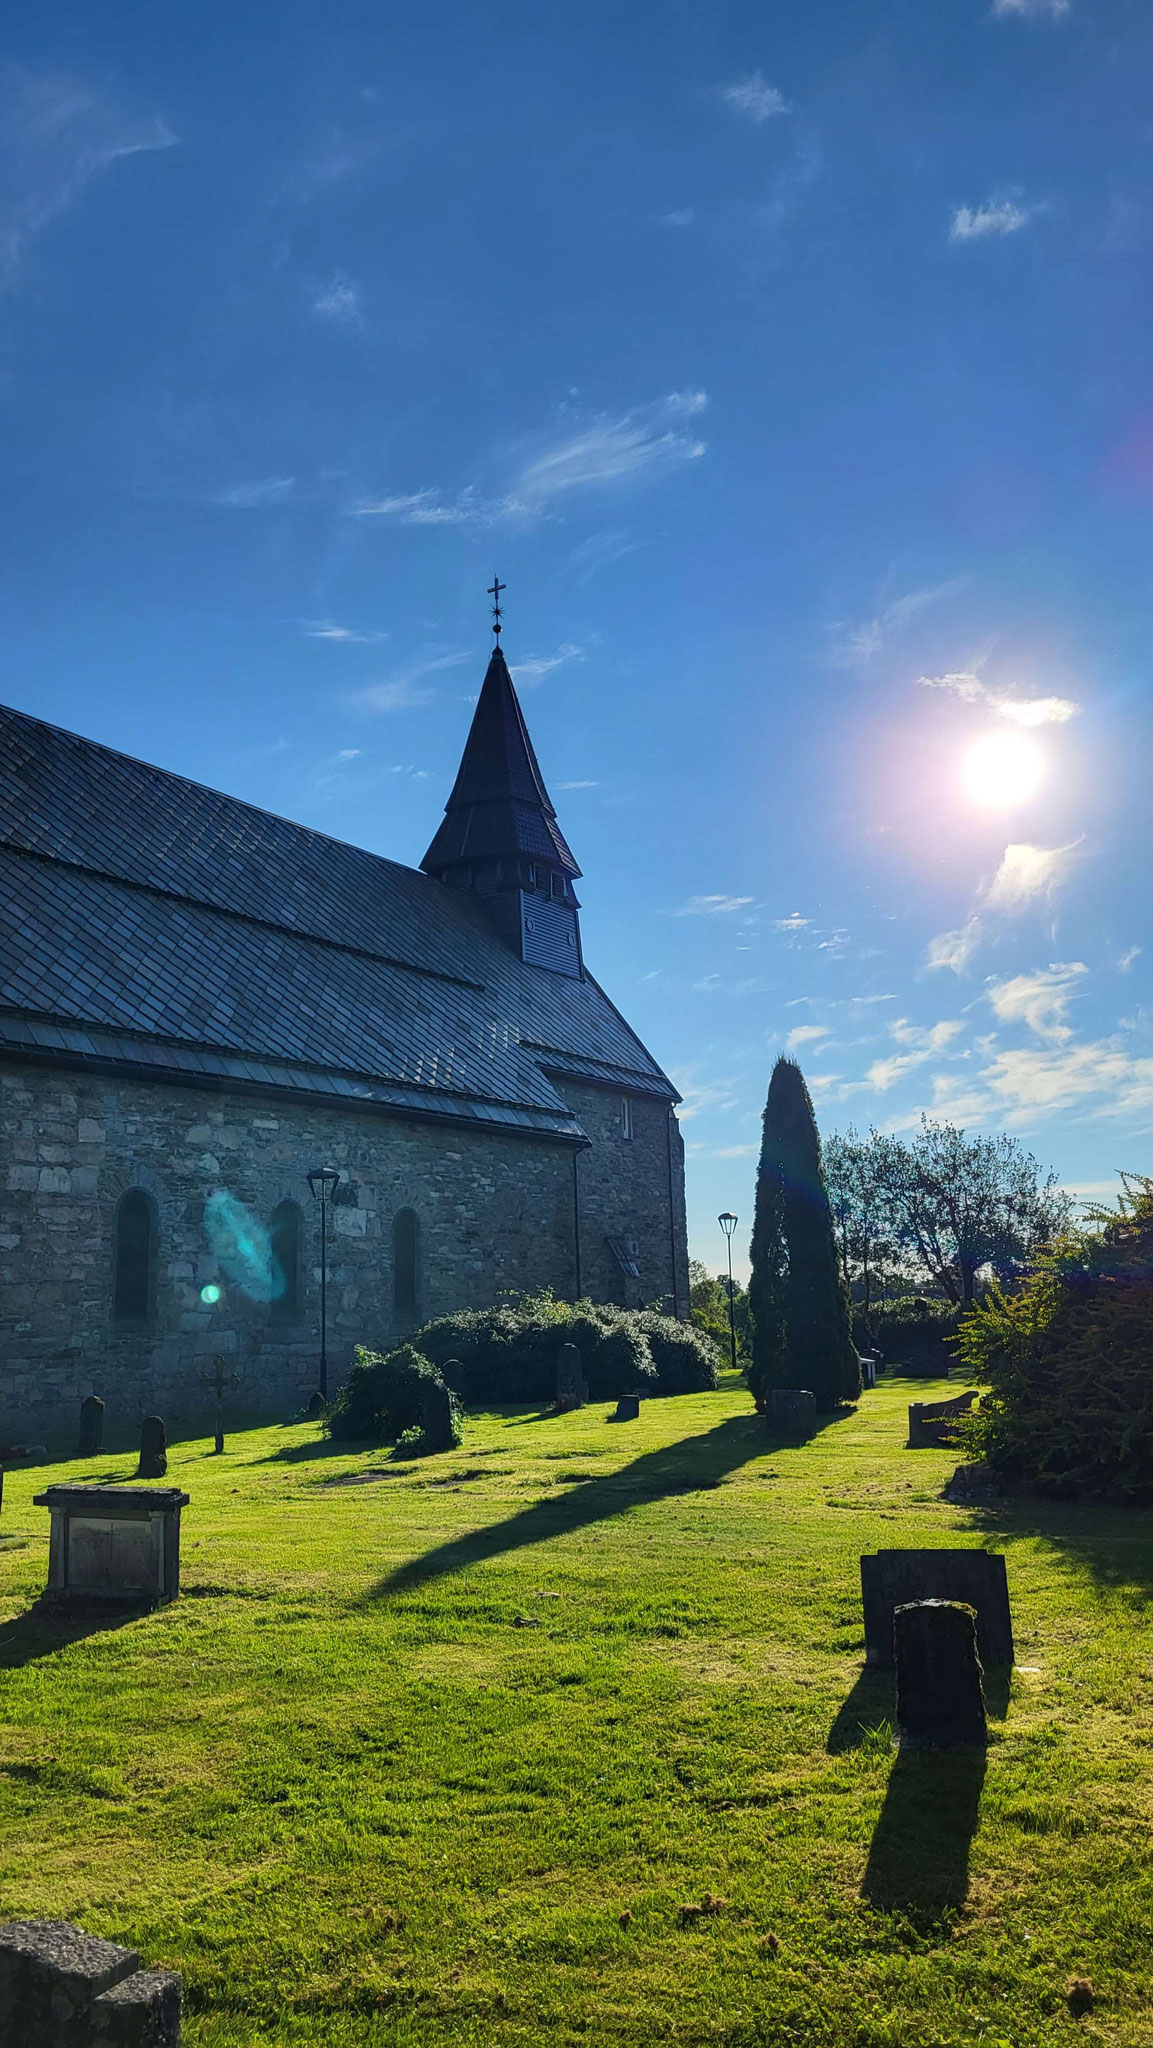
column 405, row 1260
column 287, row 1261
column 134, row 1257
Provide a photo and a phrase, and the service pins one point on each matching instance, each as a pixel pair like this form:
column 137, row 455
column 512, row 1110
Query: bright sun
column 1003, row 769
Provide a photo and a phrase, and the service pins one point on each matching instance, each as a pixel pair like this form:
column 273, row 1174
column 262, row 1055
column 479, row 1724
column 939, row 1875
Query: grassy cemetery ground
column 441, row 1757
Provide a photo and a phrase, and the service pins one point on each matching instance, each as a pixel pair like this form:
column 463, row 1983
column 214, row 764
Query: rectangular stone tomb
column 63, row 1988
column 116, row 1543
column 894, row 1578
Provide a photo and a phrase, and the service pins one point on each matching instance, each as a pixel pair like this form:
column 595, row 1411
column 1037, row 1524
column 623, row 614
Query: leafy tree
column 801, row 1333
column 861, row 1216
column 956, row 1204
column 709, row 1307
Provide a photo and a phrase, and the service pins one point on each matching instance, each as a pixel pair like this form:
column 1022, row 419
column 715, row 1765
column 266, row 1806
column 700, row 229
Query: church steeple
column 499, row 835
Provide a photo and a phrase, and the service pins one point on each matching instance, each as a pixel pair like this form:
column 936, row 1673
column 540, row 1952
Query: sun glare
column 1002, row 770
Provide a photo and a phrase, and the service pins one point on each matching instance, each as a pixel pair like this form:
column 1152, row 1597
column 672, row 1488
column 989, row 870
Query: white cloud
column 538, row 666
column 598, row 552
column 1039, row 1000
column 856, row 645
column 699, row 1096
column 681, row 217
column 1031, row 1081
column 711, row 906
column 250, row 497
column 1027, row 873
column 736, row 1152
column 995, row 217
column 755, row 98
column 578, row 785
column 925, row 1038
column 607, row 450
column 955, row 949
column 324, row 629
column 1021, row 710
column 1033, row 10
column 805, row 1034
column 427, row 508
column 1127, row 959
column 349, row 754
column 794, row 922
column 56, row 134
column 403, row 692
column 340, row 300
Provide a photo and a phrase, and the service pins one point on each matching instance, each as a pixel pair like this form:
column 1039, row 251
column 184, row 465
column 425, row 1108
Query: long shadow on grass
column 693, row 1465
column 1114, row 1545
column 919, row 1855
column 40, row 1633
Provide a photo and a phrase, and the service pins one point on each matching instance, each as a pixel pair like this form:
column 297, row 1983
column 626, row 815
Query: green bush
column 1066, row 1359
column 916, row 1332
column 509, row 1354
column 382, row 1401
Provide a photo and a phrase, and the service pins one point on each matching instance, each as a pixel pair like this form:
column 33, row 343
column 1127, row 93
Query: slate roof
column 499, row 804
column 151, row 923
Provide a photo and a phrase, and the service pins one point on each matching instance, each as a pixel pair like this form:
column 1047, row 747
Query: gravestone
column 114, row 1543
column 316, row 1407
column 628, row 1408
column 571, row 1391
column 91, row 1427
column 868, row 1364
column 890, row 1578
column 452, row 1373
column 934, row 1423
column 62, row 1988
column 793, row 1413
column 940, row 1697
column 153, row 1449
column 436, row 1418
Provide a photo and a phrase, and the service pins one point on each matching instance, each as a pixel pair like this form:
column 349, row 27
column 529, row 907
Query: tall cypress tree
column 801, row 1330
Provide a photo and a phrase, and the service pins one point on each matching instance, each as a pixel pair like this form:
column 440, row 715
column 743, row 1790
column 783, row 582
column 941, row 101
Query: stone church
column 202, row 1004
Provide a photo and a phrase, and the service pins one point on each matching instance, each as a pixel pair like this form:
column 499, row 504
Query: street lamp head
column 728, row 1223
column 322, row 1180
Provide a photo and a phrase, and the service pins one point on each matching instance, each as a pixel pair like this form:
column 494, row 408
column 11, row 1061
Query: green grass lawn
column 404, row 1753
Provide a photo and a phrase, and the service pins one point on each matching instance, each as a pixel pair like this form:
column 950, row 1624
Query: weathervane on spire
column 494, row 591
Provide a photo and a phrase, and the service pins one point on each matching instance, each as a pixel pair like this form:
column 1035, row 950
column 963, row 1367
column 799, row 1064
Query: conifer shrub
column 801, row 1330
column 381, row 1401
column 1066, row 1358
column 509, row 1353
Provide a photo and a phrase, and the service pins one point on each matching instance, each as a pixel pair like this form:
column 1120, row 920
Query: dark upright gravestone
column 934, row 1423
column 436, row 1418
column 91, row 1427
column 452, row 1373
column 571, row 1391
column 940, row 1698
column 628, row 1408
column 316, row 1407
column 153, row 1449
column 793, row 1413
column 890, row 1578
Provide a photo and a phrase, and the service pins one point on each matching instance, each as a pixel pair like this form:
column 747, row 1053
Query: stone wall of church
column 631, row 1186
column 494, row 1212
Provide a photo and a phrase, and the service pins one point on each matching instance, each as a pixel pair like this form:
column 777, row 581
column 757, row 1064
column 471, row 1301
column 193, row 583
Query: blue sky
column 792, row 366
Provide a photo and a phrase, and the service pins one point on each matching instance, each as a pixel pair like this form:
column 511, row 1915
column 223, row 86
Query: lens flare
column 210, row 1295
column 1003, row 769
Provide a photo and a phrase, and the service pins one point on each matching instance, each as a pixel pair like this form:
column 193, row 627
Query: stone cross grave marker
column 219, row 1381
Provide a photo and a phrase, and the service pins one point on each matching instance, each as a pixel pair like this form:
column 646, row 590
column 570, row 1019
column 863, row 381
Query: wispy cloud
column 736, row 1151
column 250, row 497
column 1004, row 216
column 919, row 1043
column 1027, row 873
column 403, row 692
column 805, row 1034
column 537, row 666
column 578, row 785
column 855, row 646
column 598, row 551
column 608, row 450
column 1039, row 1000
column 755, row 99
column 428, row 508
column 1021, row 710
column 57, row 133
column 955, row 949
column 680, row 217
column 1127, row 959
column 712, row 906
column 340, row 300
column 1033, row 10
column 793, row 923
column 325, row 629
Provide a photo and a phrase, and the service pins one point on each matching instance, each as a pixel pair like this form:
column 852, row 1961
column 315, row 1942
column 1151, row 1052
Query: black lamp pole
column 323, row 1181
column 728, row 1223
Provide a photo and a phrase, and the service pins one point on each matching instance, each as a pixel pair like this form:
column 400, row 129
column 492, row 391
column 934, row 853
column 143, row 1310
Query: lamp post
column 323, row 1180
column 728, row 1223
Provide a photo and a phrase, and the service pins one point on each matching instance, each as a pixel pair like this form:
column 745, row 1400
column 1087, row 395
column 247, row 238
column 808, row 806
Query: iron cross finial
column 494, row 591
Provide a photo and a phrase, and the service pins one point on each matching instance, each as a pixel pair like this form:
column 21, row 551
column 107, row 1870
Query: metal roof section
column 148, row 920
column 499, row 806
